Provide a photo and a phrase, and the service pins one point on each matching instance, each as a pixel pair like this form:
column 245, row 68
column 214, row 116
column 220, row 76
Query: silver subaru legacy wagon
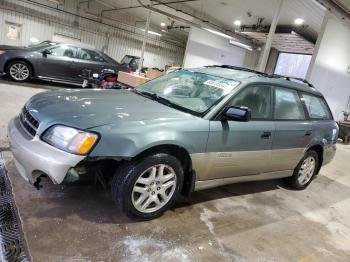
column 189, row 130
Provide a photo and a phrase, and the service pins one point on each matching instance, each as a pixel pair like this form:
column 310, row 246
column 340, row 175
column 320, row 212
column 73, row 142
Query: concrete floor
column 262, row 221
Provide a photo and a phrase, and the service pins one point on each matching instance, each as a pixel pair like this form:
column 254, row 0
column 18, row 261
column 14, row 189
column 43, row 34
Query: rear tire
column 19, row 71
column 346, row 139
column 145, row 188
column 305, row 171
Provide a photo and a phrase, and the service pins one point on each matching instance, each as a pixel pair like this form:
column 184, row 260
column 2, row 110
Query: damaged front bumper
column 34, row 158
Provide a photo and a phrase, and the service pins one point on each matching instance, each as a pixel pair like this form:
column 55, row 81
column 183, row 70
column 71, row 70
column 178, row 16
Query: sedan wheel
column 19, row 71
column 154, row 188
column 306, row 170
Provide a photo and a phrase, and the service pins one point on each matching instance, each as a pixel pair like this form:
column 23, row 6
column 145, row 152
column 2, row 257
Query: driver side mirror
column 235, row 113
column 47, row 52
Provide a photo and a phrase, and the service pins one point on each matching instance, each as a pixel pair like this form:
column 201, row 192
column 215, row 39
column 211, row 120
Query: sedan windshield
column 193, row 91
column 44, row 44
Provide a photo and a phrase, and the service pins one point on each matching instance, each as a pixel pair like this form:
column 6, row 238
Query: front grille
column 29, row 123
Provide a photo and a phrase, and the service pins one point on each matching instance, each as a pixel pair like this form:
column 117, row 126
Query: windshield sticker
column 220, row 85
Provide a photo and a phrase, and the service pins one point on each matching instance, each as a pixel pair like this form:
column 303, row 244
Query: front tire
column 19, row 71
column 145, row 188
column 305, row 171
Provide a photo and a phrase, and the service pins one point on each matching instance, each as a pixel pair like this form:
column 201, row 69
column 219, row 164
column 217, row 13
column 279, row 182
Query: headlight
column 70, row 139
column 2, row 52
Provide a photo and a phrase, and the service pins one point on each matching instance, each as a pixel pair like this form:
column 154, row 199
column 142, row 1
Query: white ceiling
column 226, row 11
column 223, row 12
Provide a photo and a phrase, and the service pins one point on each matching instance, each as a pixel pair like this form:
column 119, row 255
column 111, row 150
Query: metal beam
column 144, row 41
column 335, row 5
column 267, row 47
column 238, row 37
column 138, row 6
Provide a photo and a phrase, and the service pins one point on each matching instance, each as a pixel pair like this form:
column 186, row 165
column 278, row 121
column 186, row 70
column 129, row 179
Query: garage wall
column 116, row 39
column 330, row 67
column 204, row 48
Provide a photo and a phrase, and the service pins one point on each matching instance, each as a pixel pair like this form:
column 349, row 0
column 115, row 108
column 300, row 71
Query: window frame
column 218, row 114
column 307, row 111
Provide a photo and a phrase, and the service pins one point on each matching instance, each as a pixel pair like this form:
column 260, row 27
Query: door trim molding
column 200, row 185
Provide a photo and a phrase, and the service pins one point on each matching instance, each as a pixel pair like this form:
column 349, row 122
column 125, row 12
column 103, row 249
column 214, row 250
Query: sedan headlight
column 70, row 139
column 2, row 52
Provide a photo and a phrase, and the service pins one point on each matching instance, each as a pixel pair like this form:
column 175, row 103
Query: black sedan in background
column 54, row 62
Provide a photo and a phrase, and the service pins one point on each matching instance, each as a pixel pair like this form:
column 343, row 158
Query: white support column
column 265, row 55
column 317, row 46
column 144, row 41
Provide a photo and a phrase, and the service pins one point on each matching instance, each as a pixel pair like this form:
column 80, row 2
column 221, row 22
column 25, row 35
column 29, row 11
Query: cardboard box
column 151, row 74
column 132, row 80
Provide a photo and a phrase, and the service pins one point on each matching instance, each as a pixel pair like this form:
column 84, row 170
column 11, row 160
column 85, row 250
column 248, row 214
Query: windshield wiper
column 165, row 101
column 157, row 98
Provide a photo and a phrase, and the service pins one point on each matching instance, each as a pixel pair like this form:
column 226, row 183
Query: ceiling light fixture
column 217, row 33
column 58, row 2
column 237, row 22
column 299, row 21
column 162, row 24
column 239, row 44
column 151, row 32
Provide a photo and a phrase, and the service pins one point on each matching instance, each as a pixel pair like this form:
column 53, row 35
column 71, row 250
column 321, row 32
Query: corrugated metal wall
column 117, row 39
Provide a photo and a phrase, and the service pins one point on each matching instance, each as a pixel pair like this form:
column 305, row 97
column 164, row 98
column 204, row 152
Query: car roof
column 248, row 76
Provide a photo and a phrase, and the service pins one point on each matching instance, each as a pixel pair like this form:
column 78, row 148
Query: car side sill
column 200, row 185
column 56, row 80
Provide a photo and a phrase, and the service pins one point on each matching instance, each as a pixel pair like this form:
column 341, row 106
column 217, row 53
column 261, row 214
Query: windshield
column 193, row 91
column 44, row 44
column 127, row 59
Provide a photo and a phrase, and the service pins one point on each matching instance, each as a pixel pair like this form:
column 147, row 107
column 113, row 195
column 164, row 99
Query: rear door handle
column 308, row 133
column 266, row 135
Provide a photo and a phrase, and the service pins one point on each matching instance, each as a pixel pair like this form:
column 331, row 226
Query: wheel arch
column 20, row 59
column 319, row 150
column 183, row 155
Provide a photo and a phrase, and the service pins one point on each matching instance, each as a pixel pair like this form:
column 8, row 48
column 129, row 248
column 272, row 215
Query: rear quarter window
column 316, row 107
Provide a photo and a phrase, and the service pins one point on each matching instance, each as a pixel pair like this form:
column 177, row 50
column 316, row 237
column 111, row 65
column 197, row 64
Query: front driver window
column 257, row 99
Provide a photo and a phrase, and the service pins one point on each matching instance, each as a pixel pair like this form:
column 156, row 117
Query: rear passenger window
column 288, row 105
column 64, row 51
column 257, row 99
column 90, row 55
column 316, row 107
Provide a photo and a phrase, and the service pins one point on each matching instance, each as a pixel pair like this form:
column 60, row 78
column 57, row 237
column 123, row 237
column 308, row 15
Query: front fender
column 128, row 142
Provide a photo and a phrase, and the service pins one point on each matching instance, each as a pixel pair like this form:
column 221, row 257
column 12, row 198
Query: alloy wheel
column 306, row 170
column 19, row 71
column 154, row 188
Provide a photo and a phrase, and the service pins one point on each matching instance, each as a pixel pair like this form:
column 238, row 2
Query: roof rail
column 289, row 78
column 240, row 68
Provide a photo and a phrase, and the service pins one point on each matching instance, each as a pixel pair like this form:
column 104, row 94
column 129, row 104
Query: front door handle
column 266, row 135
column 308, row 133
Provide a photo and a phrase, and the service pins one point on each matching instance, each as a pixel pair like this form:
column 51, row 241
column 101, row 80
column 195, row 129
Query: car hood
column 96, row 107
column 10, row 47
